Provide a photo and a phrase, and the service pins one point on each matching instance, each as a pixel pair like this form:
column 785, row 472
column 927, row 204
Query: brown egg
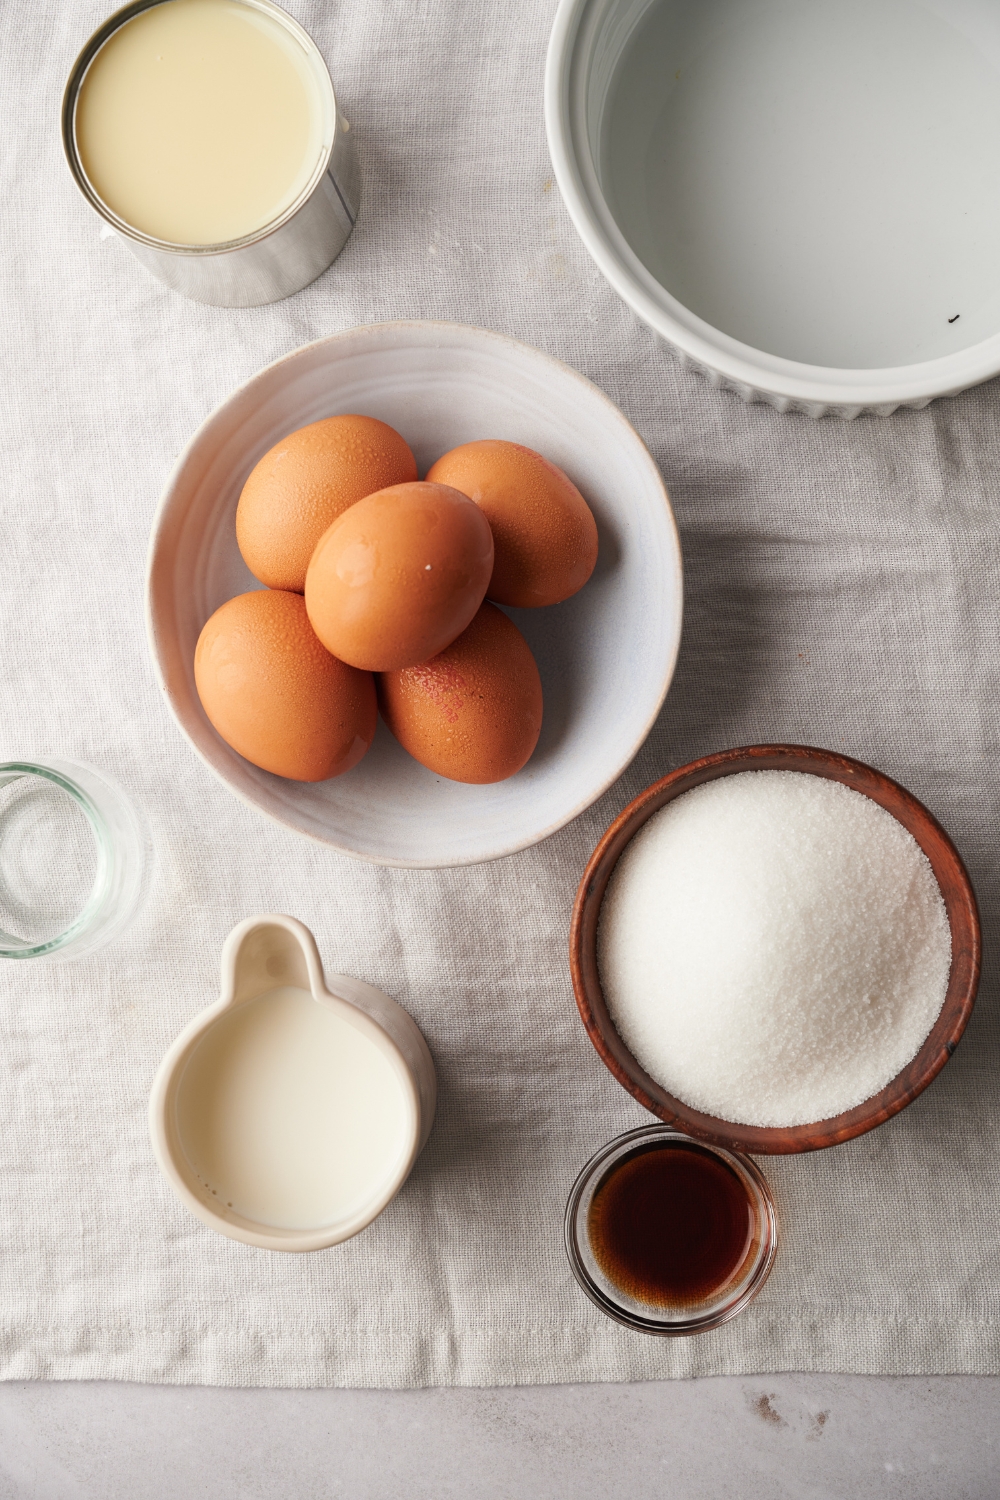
column 474, row 712
column 399, row 575
column 275, row 695
column 544, row 533
column 304, row 483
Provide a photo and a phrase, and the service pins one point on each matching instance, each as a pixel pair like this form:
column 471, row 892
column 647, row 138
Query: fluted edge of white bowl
column 811, row 390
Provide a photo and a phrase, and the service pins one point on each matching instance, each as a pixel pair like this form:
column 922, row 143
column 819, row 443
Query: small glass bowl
column 676, row 1321
column 73, row 859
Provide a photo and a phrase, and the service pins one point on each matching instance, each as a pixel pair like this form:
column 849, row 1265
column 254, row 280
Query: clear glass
column 74, row 859
column 647, row 1317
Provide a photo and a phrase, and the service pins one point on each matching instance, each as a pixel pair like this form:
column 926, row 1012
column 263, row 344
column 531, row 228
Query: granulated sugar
column 773, row 947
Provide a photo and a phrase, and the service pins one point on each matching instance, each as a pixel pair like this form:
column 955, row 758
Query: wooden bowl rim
column 956, row 890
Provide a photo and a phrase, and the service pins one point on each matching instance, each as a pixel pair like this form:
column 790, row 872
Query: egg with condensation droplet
column 305, row 482
column 398, row 576
column 544, row 532
column 472, row 713
column 276, row 695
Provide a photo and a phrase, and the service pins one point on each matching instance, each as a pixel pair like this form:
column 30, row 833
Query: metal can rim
column 89, row 51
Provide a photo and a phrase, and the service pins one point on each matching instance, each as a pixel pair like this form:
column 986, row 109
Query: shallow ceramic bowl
column 959, row 900
column 801, row 199
column 606, row 656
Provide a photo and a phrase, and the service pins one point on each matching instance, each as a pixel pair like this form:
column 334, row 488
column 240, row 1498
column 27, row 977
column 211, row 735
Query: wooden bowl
column 959, row 900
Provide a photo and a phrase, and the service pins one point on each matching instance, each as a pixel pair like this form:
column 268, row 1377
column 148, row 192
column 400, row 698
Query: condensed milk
column 206, row 133
column 201, row 121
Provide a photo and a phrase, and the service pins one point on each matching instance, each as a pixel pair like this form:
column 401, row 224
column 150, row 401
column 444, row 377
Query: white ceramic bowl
column 801, row 199
column 606, row 656
column 260, row 955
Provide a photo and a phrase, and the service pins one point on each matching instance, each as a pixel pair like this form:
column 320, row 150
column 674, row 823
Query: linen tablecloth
column 842, row 584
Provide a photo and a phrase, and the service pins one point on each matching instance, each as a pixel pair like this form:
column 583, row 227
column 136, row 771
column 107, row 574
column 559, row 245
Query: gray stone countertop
column 804, row 1437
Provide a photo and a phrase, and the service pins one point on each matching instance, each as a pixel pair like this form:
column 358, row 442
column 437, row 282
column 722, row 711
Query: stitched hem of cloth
column 381, row 1359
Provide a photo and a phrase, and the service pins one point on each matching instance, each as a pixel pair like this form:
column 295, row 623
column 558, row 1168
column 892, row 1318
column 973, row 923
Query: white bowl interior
column 815, row 180
column 605, row 656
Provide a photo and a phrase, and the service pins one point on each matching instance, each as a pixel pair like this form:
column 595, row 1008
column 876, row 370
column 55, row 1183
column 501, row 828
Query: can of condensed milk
column 206, row 133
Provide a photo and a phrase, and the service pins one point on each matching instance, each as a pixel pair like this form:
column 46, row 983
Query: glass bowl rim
column 12, row 770
column 741, row 1294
